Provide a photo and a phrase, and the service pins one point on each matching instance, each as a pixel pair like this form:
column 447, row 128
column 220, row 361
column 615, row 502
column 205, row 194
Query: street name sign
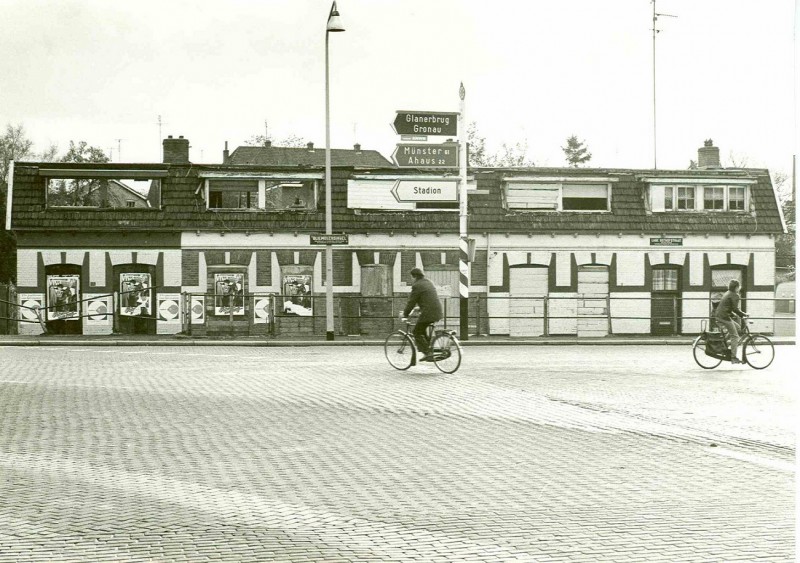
column 666, row 241
column 425, row 190
column 413, row 137
column 337, row 238
column 425, row 123
column 426, row 156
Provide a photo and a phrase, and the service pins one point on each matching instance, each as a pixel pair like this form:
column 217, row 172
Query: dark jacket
column 727, row 305
column 423, row 293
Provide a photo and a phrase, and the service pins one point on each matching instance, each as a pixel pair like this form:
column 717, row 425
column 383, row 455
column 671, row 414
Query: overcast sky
column 534, row 70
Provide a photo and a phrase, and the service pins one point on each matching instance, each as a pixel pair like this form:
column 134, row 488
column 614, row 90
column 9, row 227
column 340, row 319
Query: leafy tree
column 786, row 244
column 509, row 155
column 14, row 145
column 90, row 192
column 576, row 152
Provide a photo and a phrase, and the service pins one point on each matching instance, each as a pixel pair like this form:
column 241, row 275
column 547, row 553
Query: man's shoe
column 736, row 361
column 426, row 358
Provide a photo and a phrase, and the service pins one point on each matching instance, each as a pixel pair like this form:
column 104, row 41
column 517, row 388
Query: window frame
column 261, row 190
column 48, row 175
column 671, row 191
column 559, row 182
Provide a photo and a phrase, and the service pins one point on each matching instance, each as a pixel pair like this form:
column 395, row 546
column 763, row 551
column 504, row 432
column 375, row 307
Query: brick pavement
column 323, row 454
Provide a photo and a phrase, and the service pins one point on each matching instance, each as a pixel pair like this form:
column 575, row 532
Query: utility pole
column 655, row 31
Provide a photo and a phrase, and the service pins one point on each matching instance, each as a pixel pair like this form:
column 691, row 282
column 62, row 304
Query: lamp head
column 334, row 21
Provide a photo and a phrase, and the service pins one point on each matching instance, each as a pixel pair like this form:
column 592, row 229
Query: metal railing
column 274, row 315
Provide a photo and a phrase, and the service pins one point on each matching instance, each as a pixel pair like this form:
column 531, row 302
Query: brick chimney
column 310, row 146
column 708, row 155
column 357, row 147
column 176, row 151
column 226, row 155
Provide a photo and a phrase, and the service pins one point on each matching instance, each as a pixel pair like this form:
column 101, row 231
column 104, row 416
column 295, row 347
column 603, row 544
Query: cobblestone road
column 568, row 453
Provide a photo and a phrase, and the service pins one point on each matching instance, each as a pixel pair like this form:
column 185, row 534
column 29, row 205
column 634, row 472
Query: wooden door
column 526, row 308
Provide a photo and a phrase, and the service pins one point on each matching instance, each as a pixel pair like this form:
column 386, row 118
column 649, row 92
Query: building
column 226, row 247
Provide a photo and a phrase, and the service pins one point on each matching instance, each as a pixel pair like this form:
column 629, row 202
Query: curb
column 56, row 341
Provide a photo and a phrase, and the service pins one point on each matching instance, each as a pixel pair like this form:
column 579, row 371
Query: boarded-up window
column 533, row 196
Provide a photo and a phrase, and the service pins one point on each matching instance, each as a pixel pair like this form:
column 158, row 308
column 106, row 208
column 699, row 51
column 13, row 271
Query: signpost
column 417, row 155
column 336, row 238
column 425, row 190
column 426, row 123
column 416, row 126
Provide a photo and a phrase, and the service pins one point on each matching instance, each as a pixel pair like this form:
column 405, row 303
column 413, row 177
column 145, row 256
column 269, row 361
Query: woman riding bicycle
column 724, row 314
column 424, row 296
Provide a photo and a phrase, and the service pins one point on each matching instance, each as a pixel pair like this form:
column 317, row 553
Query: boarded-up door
column 446, row 282
column 593, row 301
column 526, row 307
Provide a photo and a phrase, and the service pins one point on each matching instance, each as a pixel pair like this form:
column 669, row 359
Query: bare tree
column 290, row 141
column 509, row 155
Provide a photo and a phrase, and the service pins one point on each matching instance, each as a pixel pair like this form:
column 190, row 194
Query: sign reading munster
column 410, row 155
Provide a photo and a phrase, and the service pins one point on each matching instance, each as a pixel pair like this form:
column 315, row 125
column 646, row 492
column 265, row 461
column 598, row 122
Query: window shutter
column 656, row 198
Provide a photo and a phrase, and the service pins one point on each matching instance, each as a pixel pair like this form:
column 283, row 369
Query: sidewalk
column 185, row 340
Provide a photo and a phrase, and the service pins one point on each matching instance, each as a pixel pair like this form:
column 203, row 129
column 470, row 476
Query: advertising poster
column 63, row 296
column 135, row 295
column 297, row 295
column 229, row 294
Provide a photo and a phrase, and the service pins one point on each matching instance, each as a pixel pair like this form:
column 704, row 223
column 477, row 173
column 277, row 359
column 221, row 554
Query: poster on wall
column 229, row 294
column 63, row 296
column 135, row 295
column 297, row 295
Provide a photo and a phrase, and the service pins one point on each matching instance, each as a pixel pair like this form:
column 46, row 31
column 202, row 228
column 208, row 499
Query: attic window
column 584, row 197
column 103, row 192
column 563, row 195
column 259, row 194
column 698, row 197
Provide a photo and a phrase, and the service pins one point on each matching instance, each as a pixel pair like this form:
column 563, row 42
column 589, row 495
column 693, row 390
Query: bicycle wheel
column 758, row 351
column 699, row 351
column 400, row 350
column 446, row 352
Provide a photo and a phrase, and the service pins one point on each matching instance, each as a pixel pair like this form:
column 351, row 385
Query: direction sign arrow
column 444, row 155
column 425, row 190
column 425, row 123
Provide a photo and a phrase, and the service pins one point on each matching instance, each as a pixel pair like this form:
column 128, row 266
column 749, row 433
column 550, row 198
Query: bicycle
column 401, row 350
column 712, row 347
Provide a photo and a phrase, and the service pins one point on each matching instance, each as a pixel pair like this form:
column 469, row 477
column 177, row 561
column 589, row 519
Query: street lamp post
column 334, row 24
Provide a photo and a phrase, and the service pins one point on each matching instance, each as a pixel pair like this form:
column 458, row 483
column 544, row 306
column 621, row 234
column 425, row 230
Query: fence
column 581, row 314
column 271, row 315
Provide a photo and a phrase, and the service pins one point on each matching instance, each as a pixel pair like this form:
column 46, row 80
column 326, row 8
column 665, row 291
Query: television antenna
column 655, row 32
column 119, row 149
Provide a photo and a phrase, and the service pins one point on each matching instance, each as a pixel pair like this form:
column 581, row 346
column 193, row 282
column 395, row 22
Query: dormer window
column 260, row 194
column 698, row 195
column 558, row 194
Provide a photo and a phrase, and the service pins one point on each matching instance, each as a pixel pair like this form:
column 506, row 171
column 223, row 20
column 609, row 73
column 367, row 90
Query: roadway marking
column 763, row 461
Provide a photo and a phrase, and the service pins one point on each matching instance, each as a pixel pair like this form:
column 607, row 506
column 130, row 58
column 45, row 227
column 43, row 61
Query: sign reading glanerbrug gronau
column 444, row 155
column 425, row 123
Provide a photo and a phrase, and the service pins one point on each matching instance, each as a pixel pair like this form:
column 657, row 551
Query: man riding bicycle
column 424, row 296
column 726, row 309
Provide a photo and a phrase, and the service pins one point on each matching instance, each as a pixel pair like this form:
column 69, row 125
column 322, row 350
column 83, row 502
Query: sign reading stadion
column 425, row 190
